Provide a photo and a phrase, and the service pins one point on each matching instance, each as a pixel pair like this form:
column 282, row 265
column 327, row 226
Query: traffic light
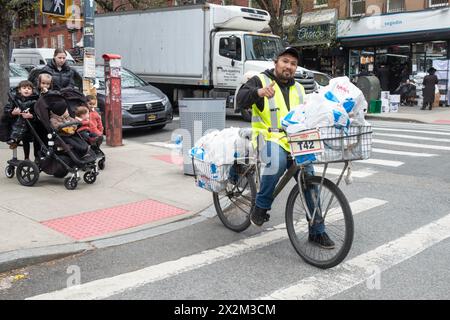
column 54, row 7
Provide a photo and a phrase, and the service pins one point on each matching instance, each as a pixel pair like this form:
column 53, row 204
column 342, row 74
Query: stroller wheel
column 101, row 164
column 90, row 177
column 10, row 171
column 27, row 173
column 70, row 183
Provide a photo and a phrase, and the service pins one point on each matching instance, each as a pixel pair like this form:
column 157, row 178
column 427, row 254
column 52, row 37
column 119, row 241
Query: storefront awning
column 401, row 27
column 316, row 27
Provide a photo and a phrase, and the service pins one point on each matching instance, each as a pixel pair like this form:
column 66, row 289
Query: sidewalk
column 140, row 188
column 439, row 115
column 140, row 193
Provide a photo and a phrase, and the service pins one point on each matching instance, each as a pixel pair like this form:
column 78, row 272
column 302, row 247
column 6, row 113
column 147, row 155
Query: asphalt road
column 401, row 247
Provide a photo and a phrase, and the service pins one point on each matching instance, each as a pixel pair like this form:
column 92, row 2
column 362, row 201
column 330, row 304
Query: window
column 54, row 44
column 357, row 8
column 61, row 41
column 438, row 3
column 320, row 3
column 44, row 19
column 36, row 16
column 45, row 43
column 230, row 47
column 395, row 6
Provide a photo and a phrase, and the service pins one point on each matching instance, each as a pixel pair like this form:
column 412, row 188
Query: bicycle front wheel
column 234, row 204
column 332, row 210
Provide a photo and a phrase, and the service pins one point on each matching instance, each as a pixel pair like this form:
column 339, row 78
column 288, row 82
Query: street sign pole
column 89, row 48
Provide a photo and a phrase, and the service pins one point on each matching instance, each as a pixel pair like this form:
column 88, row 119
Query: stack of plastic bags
column 217, row 151
column 341, row 105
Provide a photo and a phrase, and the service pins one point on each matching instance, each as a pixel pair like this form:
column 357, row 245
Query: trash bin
column 375, row 106
column 370, row 86
column 198, row 115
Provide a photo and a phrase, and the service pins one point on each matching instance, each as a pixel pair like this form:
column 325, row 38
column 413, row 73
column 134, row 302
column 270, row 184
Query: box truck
column 194, row 51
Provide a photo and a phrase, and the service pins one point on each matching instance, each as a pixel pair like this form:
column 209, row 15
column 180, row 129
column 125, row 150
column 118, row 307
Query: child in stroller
column 61, row 153
column 88, row 132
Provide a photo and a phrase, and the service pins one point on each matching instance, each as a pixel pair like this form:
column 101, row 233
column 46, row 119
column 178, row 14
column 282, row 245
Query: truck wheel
column 246, row 114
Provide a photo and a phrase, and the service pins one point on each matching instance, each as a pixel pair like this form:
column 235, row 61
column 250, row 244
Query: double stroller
column 55, row 156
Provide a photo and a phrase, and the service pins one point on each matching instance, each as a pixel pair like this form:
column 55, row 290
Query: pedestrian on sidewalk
column 63, row 75
column 271, row 95
column 429, row 88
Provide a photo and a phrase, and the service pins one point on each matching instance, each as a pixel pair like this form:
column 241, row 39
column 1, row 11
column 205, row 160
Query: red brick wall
column 40, row 32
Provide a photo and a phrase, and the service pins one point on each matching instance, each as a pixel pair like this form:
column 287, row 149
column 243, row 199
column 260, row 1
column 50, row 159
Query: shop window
column 395, row 6
column 320, row 3
column 357, row 8
column 437, row 3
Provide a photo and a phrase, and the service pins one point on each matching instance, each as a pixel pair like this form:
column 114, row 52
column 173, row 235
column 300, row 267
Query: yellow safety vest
column 274, row 111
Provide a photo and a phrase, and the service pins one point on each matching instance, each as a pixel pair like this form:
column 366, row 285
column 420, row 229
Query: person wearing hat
column 271, row 95
column 429, row 88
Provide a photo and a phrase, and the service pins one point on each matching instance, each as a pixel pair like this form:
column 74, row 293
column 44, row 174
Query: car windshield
column 17, row 71
column 322, row 79
column 129, row 80
column 262, row 47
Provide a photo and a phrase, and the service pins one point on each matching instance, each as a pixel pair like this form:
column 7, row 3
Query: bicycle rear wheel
column 335, row 210
column 234, row 204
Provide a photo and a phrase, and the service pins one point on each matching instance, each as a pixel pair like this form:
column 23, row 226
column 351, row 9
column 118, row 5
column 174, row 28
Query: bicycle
column 320, row 199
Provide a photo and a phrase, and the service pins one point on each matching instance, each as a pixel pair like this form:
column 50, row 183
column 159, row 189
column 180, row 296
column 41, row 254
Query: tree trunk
column 5, row 31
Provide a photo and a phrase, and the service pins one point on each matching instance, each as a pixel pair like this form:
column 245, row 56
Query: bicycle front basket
column 340, row 145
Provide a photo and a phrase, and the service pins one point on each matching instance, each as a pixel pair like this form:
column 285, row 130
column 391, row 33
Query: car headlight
column 165, row 100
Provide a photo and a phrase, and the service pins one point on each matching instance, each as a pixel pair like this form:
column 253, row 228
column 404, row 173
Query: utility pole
column 89, row 48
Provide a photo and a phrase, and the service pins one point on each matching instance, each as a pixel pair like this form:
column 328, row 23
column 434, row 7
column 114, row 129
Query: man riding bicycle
column 270, row 95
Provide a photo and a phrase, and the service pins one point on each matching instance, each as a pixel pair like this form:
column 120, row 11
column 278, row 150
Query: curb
column 367, row 116
column 17, row 259
column 22, row 258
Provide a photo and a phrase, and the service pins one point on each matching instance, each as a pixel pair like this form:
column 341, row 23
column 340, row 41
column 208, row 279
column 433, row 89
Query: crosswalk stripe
column 404, row 136
column 419, row 126
column 361, row 268
column 388, row 163
column 103, row 288
column 414, row 131
column 364, row 173
column 412, row 145
column 403, row 153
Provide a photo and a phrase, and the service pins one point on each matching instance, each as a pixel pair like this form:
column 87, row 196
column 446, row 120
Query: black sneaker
column 322, row 240
column 259, row 216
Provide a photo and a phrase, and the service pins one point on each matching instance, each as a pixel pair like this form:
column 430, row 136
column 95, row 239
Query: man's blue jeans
column 276, row 160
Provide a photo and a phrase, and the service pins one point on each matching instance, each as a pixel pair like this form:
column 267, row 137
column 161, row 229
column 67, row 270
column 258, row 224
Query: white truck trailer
column 193, row 51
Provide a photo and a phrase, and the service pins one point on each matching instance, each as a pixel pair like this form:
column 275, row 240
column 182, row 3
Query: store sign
column 426, row 20
column 307, row 35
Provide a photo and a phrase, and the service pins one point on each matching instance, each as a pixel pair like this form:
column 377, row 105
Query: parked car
column 321, row 79
column 143, row 105
column 16, row 74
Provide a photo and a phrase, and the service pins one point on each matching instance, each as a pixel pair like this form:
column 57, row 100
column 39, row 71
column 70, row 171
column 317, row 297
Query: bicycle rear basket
column 210, row 176
column 339, row 145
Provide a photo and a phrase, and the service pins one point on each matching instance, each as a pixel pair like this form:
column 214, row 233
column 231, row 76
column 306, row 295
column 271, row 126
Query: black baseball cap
column 289, row 50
